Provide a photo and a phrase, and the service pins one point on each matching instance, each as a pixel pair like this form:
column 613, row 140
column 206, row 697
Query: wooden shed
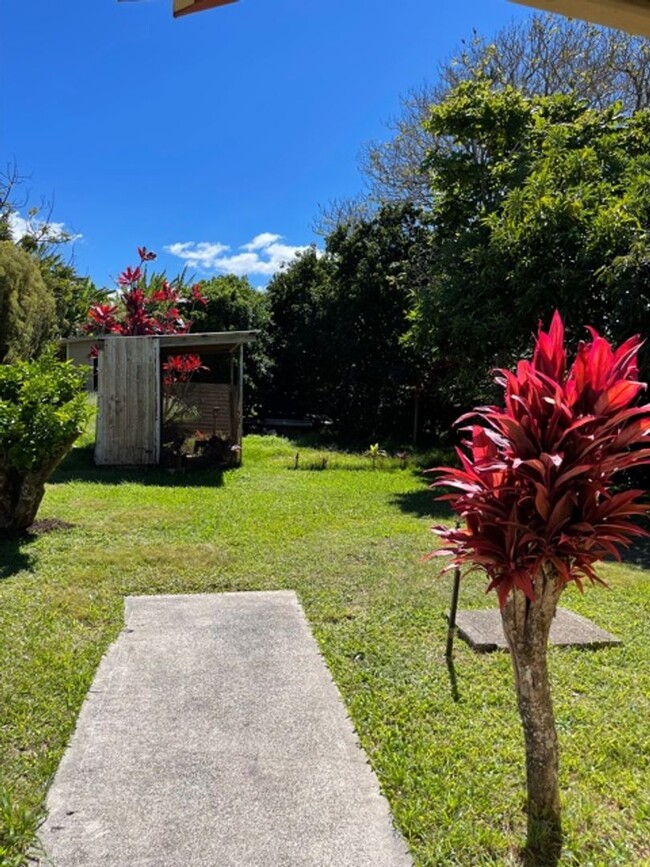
column 127, row 375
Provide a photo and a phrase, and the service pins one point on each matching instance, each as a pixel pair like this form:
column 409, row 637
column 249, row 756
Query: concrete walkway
column 214, row 736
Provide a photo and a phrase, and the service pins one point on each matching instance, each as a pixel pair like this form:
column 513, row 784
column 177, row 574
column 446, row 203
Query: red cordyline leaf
column 197, row 296
column 144, row 309
column 129, row 277
column 181, row 368
column 534, row 488
column 146, row 255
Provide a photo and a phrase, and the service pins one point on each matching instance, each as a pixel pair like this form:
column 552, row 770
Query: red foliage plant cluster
column 535, row 486
column 145, row 307
column 181, row 368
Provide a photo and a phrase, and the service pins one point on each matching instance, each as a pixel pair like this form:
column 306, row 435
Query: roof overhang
column 186, row 7
column 207, row 341
column 630, row 15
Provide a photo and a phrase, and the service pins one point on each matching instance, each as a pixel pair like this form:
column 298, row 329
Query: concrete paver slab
column 214, row 735
column 483, row 631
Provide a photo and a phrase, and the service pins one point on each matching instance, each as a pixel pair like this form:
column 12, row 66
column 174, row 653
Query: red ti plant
column 535, row 492
column 178, row 371
column 146, row 304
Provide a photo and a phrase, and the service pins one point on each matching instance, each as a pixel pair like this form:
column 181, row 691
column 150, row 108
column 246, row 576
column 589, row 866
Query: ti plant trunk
column 526, row 626
column 22, row 490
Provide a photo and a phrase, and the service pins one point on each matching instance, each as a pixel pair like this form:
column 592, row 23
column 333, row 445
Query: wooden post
column 452, row 614
column 453, row 608
column 416, row 408
column 240, row 400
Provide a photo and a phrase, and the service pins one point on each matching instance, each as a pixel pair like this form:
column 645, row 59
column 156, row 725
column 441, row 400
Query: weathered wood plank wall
column 128, row 415
column 215, row 403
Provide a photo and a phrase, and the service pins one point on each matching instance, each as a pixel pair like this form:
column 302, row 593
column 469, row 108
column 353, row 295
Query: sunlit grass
column 349, row 540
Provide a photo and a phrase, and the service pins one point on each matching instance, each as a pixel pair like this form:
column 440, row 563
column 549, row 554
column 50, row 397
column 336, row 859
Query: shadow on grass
column 545, row 853
column 453, row 680
column 80, row 467
column 638, row 554
column 423, row 503
column 14, row 555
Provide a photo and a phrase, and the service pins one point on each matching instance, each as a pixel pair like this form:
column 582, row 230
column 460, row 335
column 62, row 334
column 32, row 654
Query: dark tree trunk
column 21, row 491
column 526, row 626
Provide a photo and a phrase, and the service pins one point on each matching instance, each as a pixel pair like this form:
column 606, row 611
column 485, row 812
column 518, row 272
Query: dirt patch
column 47, row 525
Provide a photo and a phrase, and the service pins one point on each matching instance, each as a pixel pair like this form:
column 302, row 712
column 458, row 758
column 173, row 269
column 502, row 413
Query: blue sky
column 227, row 128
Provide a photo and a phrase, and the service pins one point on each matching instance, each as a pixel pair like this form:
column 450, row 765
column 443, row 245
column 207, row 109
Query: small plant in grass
column 43, row 410
column 375, row 453
column 535, row 491
column 403, row 458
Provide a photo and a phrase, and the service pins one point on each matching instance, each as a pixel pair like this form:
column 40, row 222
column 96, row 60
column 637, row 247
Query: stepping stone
column 483, row 631
column 214, row 736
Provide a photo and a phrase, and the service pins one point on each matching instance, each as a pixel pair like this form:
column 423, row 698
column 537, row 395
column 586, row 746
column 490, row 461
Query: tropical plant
column 43, row 409
column 146, row 304
column 374, row 453
column 178, row 371
column 535, row 490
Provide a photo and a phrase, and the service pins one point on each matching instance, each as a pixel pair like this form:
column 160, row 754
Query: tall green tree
column 27, row 306
column 538, row 202
column 338, row 322
column 73, row 294
column 299, row 298
column 376, row 265
column 543, row 55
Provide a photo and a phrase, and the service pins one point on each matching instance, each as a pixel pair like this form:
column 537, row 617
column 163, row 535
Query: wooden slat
column 208, row 397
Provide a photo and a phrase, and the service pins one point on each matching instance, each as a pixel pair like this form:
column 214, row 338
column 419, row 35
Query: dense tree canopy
column 300, row 341
column 538, row 202
column 544, row 55
column 338, row 322
column 27, row 307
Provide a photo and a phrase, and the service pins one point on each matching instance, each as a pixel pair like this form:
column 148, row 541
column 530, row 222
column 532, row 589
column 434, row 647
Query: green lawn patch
column 349, row 540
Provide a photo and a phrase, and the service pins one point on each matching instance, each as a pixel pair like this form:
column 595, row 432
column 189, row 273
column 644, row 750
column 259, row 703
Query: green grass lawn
column 349, row 540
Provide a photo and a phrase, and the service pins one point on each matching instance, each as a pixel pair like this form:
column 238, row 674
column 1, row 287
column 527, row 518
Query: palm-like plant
column 535, row 490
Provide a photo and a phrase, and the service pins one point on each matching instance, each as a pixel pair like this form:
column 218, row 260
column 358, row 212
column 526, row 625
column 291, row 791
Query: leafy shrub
column 43, row 409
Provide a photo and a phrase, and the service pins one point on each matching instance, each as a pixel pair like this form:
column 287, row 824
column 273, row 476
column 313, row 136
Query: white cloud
column 259, row 242
column 263, row 255
column 46, row 231
column 202, row 255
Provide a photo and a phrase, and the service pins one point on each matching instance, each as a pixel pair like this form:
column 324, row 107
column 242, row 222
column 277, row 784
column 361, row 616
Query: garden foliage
column 536, row 482
column 43, row 409
column 27, row 307
column 146, row 305
column 536, row 490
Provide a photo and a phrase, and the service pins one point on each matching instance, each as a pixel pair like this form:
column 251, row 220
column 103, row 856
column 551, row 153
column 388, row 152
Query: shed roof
column 224, row 341
column 630, row 15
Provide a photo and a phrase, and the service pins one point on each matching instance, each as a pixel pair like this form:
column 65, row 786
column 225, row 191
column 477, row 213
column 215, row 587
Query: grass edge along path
column 349, row 540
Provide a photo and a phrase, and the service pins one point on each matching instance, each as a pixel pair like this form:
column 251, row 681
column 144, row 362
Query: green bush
column 43, row 409
column 27, row 306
